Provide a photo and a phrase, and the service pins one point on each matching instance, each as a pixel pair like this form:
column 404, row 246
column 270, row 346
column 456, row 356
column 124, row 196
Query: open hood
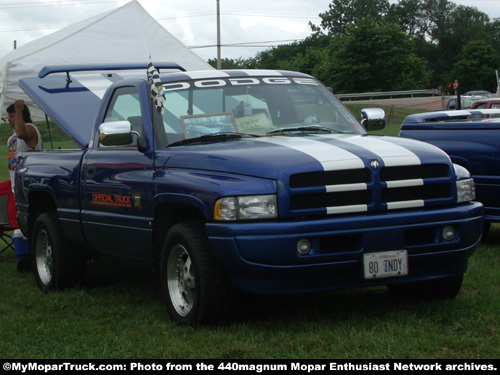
column 73, row 100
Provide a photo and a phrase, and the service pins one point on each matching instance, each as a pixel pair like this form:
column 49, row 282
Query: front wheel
column 56, row 265
column 195, row 291
column 443, row 288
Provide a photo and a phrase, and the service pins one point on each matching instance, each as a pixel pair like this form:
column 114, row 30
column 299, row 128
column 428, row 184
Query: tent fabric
column 126, row 34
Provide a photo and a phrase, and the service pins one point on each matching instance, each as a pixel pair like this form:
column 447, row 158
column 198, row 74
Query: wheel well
column 38, row 203
column 167, row 215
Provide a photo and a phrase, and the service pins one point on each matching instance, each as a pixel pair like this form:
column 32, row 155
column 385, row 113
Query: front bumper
column 262, row 257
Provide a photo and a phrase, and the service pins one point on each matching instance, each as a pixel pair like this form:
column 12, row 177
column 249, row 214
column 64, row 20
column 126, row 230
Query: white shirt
column 15, row 146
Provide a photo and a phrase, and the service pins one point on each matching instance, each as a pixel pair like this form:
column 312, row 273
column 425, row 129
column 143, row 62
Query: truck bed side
column 53, row 184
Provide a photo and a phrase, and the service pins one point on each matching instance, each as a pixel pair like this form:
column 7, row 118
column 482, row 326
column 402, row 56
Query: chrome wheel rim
column 181, row 280
column 44, row 257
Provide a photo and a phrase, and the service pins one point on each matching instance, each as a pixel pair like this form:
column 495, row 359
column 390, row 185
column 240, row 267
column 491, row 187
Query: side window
column 495, row 106
column 125, row 105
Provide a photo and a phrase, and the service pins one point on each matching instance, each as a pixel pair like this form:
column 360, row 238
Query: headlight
column 246, row 208
column 466, row 190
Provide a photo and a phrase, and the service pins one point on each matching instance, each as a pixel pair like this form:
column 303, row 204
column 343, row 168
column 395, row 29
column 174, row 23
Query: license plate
column 385, row 264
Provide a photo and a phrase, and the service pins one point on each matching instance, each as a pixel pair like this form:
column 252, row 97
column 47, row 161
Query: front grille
column 357, row 190
column 412, row 193
column 413, row 171
column 337, row 199
column 348, row 176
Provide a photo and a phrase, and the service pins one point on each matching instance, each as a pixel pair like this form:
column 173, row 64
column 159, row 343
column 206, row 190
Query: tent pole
column 50, row 133
column 4, row 87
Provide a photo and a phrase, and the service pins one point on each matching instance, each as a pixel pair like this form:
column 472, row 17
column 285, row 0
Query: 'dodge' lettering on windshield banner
column 112, row 200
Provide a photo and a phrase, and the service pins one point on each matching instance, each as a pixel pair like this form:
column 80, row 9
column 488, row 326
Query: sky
column 247, row 26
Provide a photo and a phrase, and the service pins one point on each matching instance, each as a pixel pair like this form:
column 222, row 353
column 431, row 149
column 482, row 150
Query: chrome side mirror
column 373, row 118
column 119, row 133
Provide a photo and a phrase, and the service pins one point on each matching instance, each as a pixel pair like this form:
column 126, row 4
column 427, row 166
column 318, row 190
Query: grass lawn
column 118, row 313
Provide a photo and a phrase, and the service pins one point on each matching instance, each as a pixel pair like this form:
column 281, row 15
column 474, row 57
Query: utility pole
column 218, row 35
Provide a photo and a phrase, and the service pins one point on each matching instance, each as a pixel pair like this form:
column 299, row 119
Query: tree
column 408, row 14
column 427, row 36
column 437, row 19
column 475, row 68
column 300, row 56
column 226, row 63
column 450, row 28
column 375, row 56
column 343, row 13
column 493, row 33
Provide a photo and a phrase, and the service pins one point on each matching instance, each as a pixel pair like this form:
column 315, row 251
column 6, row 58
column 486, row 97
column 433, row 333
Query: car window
column 125, row 105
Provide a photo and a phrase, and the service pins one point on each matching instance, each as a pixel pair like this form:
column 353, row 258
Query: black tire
column 56, row 265
column 195, row 291
column 445, row 288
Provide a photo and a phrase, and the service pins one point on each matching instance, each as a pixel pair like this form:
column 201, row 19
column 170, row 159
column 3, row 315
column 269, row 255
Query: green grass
column 394, row 117
column 118, row 313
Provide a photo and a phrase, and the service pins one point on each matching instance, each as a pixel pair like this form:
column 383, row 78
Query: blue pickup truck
column 258, row 181
column 471, row 139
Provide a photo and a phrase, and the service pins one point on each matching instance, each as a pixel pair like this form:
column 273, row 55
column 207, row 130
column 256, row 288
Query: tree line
column 372, row 45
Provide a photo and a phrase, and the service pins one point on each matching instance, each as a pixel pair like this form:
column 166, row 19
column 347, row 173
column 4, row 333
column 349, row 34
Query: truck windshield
column 256, row 106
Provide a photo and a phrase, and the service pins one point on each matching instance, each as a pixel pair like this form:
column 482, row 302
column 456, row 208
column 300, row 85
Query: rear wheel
column 195, row 291
column 444, row 288
column 55, row 264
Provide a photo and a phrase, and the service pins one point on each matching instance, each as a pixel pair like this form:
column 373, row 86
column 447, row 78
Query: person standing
column 25, row 135
column 456, row 88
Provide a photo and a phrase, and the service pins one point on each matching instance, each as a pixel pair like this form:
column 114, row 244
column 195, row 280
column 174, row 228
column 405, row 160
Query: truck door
column 116, row 184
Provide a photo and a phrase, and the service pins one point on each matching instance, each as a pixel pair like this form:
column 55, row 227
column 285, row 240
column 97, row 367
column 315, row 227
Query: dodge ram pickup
column 257, row 181
column 470, row 138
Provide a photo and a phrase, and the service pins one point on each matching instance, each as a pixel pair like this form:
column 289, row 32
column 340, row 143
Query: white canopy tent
column 126, row 34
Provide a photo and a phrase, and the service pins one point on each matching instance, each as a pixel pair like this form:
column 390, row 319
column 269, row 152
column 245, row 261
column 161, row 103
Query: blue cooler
column 21, row 245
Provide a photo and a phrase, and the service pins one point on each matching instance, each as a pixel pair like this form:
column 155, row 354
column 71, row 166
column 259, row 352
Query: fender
column 178, row 199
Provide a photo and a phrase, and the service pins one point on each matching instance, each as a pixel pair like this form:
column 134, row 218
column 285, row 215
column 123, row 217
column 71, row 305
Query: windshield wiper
column 215, row 137
column 304, row 129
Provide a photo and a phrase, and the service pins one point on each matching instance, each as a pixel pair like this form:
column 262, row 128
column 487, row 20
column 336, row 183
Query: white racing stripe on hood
column 96, row 83
column 331, row 157
column 390, row 153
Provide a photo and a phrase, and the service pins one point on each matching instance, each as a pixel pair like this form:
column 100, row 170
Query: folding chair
column 8, row 221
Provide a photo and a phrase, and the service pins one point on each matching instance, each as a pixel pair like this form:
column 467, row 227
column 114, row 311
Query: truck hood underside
column 73, row 107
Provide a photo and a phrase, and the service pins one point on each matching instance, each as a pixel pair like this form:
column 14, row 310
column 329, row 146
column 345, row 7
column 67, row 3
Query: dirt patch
column 430, row 103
